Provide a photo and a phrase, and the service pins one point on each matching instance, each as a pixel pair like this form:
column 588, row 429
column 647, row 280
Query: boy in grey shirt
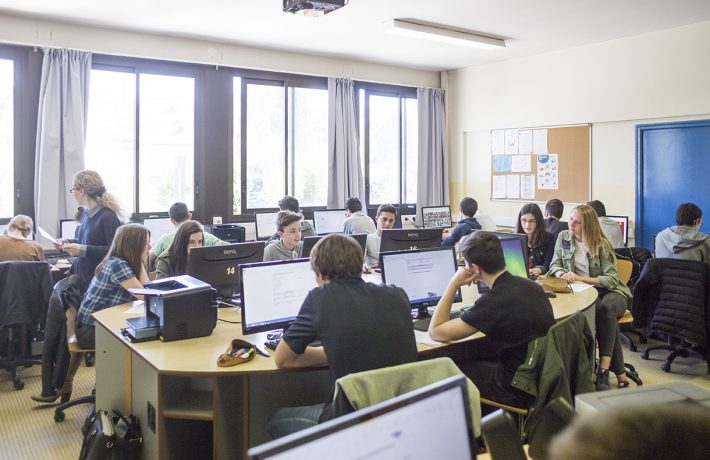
column 289, row 244
column 357, row 221
column 684, row 240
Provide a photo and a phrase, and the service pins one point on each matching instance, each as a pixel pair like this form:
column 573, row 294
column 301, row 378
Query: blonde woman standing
column 98, row 223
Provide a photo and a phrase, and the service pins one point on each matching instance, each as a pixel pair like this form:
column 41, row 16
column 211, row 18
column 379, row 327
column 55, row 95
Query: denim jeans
column 291, row 419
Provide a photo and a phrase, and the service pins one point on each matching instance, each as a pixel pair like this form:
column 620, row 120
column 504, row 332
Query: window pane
column 167, row 142
column 237, row 146
column 111, row 133
column 309, row 145
column 265, row 145
column 410, row 124
column 384, row 149
column 7, row 180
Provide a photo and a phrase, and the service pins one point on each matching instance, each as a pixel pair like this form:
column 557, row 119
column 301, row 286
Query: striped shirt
column 105, row 289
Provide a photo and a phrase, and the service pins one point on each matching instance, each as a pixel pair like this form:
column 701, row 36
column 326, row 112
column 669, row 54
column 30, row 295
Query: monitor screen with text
column 436, row 217
column 329, row 221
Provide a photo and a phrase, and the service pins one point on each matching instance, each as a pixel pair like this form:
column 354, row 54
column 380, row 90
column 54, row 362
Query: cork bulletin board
column 538, row 164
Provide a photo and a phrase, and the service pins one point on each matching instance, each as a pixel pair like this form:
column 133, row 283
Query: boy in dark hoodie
column 684, row 241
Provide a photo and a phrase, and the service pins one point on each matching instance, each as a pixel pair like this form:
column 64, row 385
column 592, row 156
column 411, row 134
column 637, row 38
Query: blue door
column 672, row 167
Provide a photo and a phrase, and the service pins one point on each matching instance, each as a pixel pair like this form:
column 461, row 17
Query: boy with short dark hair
column 289, row 203
column 362, row 326
column 289, row 244
column 468, row 208
column 357, row 221
column 553, row 213
column 685, row 240
column 512, row 313
column 610, row 228
column 386, row 215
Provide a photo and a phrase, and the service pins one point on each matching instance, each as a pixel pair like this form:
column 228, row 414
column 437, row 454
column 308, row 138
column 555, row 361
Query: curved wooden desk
column 198, row 407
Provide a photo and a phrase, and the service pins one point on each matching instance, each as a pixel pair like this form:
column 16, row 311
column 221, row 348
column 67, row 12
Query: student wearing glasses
column 685, row 240
column 173, row 261
column 541, row 243
column 582, row 253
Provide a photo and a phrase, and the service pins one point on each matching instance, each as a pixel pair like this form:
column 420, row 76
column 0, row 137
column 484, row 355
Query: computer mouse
column 550, row 294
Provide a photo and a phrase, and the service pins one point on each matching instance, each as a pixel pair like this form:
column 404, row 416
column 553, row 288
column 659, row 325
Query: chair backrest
column 500, row 433
column 25, row 288
column 624, row 267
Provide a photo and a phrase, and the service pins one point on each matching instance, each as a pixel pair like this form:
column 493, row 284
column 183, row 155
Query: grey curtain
column 346, row 177
column 61, row 133
column 433, row 170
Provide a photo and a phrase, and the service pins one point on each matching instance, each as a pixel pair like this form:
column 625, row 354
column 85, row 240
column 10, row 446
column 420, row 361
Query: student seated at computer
column 173, row 261
column 685, row 240
column 356, row 220
column 553, row 215
column 362, row 326
column 289, row 245
column 514, row 312
column 16, row 245
column 541, row 243
column 467, row 223
column 610, row 228
column 582, row 253
column 289, row 203
column 179, row 214
column 385, row 217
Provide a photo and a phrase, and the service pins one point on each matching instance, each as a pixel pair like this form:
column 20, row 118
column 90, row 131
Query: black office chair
column 25, row 288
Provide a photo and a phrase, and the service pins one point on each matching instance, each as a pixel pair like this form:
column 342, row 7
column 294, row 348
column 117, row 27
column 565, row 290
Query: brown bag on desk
column 555, row 284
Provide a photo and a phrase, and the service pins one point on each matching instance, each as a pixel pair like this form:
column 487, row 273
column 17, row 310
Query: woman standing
column 173, row 261
column 583, row 254
column 541, row 243
column 98, row 224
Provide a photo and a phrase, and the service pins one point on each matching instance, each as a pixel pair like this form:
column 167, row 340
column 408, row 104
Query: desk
column 199, row 407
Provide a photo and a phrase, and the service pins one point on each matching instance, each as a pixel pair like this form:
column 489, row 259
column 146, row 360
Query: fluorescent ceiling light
column 454, row 37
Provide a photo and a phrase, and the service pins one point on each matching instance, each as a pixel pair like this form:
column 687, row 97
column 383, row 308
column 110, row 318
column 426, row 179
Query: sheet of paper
column 512, row 186
column 511, row 141
column 45, row 234
column 423, row 337
column 525, row 142
column 527, row 187
column 540, row 141
column 547, row 172
column 498, row 142
column 502, row 163
column 579, row 287
column 520, row 163
column 499, row 185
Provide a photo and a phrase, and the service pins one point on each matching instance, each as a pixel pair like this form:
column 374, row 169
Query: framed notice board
column 538, row 164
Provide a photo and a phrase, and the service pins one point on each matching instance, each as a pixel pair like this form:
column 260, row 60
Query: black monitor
column 329, row 221
column 67, row 228
column 218, row 265
column 372, row 212
column 424, row 274
column 431, row 422
column 623, row 222
column 414, row 238
column 310, row 241
column 158, row 226
column 273, row 292
column 436, row 217
column 265, row 224
column 515, row 251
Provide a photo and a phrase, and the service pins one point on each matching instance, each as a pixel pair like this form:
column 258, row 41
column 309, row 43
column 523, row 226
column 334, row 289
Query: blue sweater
column 96, row 233
column 464, row 227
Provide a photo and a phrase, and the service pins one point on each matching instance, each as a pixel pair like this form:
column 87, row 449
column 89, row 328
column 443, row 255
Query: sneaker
column 603, row 380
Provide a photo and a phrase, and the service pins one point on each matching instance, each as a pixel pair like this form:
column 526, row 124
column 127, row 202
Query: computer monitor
column 424, row 274
column 431, row 422
column 67, row 228
column 411, row 238
column 372, row 212
column 436, row 217
column 515, row 251
column 265, row 223
column 218, row 265
column 624, row 224
column 158, row 226
column 310, row 241
column 273, row 292
column 329, row 221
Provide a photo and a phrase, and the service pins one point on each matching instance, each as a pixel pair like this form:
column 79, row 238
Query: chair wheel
column 19, row 385
column 666, row 367
column 644, row 355
column 632, row 347
column 58, row 416
column 643, row 339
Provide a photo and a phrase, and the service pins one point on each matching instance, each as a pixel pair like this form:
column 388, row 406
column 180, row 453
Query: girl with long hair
column 173, row 261
column 541, row 243
column 582, row 253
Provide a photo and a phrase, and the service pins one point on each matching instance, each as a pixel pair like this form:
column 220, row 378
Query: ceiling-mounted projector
column 310, row 8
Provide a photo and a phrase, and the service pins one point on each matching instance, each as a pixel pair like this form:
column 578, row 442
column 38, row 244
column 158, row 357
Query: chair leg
column 59, row 411
column 645, row 353
column 632, row 374
column 625, row 338
column 682, row 352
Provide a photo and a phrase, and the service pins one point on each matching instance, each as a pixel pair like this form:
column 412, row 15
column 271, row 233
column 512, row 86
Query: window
column 280, row 143
column 388, row 133
column 146, row 153
column 7, row 143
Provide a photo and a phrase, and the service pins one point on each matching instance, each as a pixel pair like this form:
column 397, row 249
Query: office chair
column 89, row 399
column 500, row 434
column 25, row 288
column 625, row 267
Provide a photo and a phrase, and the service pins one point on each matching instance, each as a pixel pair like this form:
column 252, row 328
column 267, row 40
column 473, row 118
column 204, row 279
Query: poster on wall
column 525, row 142
column 497, row 142
column 527, row 187
column 547, row 172
column 511, row 142
column 540, row 141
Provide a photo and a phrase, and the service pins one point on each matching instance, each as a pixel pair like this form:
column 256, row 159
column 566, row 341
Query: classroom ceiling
column 358, row 30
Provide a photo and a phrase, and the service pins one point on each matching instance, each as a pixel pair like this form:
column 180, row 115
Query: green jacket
column 557, row 365
column 602, row 266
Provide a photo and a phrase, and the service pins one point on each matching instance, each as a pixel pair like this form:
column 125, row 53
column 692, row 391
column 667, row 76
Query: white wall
column 661, row 76
column 27, row 31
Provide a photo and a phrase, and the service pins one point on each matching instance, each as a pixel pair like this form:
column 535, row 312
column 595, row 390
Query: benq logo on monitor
column 413, row 235
column 230, row 251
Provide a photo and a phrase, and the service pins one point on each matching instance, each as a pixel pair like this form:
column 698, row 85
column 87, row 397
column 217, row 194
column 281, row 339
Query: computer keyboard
column 272, row 344
column 422, row 324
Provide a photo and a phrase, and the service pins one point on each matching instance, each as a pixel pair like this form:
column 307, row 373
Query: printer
column 176, row 308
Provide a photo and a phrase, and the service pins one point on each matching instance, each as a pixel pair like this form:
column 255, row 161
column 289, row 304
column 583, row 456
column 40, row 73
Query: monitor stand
column 422, row 312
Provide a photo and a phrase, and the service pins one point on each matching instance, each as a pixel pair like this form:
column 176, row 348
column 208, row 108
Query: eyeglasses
column 528, row 221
